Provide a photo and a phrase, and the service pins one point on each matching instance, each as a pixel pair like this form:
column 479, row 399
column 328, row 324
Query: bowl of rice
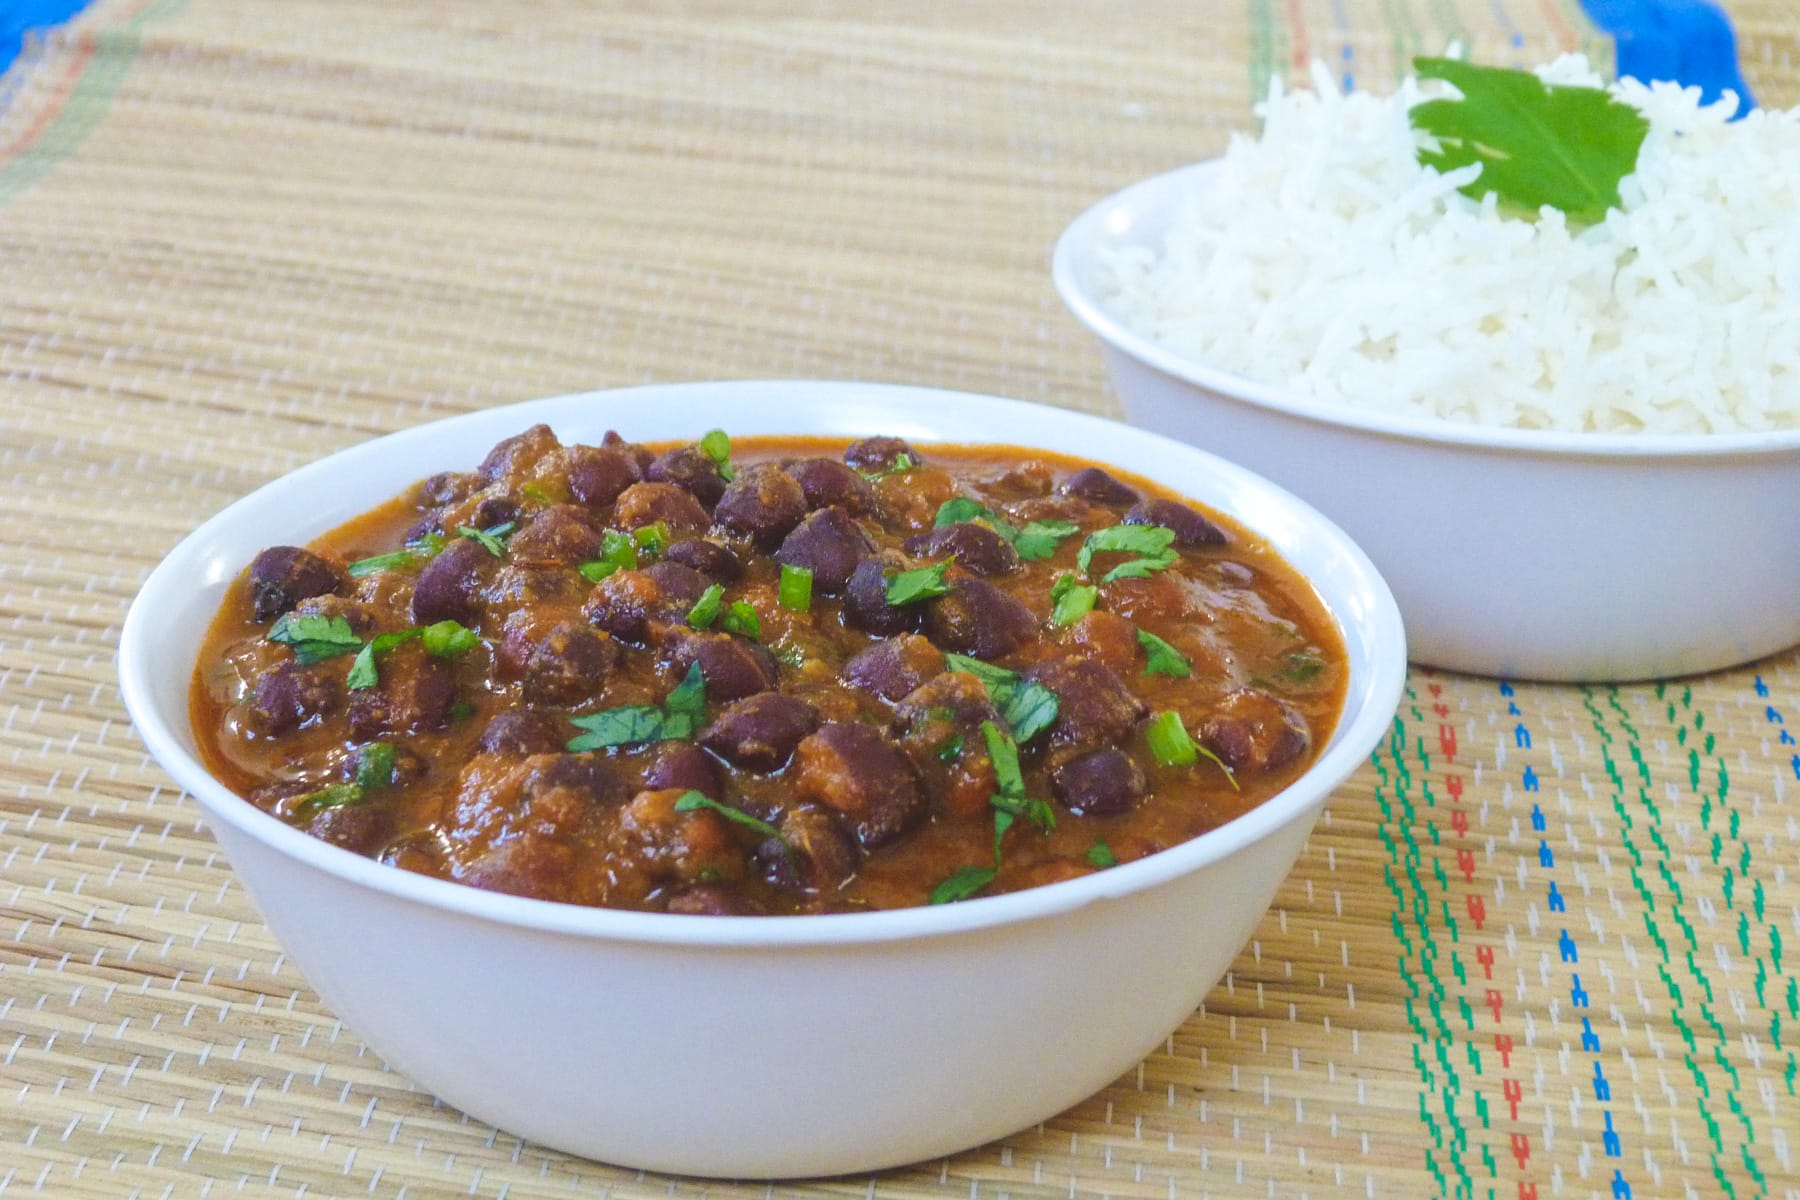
column 1574, row 451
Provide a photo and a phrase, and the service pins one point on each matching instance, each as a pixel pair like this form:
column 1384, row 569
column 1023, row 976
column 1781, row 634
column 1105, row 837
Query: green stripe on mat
column 87, row 102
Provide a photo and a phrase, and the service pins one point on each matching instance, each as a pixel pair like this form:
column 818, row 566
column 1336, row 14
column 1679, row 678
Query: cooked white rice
column 1325, row 259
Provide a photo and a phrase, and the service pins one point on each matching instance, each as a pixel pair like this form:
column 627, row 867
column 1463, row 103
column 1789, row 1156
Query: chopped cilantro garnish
column 1303, row 667
column 1538, row 144
column 1169, row 740
column 534, row 491
column 682, row 711
column 1040, row 539
column 1163, row 659
column 706, row 609
column 363, row 674
column 447, row 639
column 692, row 801
column 794, row 592
column 314, row 637
column 492, row 539
column 428, row 546
column 381, row 562
column 627, row 725
column 959, row 509
column 375, row 765
column 333, row 795
column 618, row 552
column 962, row 884
column 1151, row 543
column 1070, row 601
column 716, row 445
column 924, row 583
column 1027, row 707
column 1100, row 856
column 952, row 748
column 1005, row 755
column 742, row 620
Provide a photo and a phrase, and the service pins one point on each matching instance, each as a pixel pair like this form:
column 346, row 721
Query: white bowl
column 1556, row 556
column 758, row 1047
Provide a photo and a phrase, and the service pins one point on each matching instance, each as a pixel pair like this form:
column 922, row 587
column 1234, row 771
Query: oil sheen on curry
column 770, row 676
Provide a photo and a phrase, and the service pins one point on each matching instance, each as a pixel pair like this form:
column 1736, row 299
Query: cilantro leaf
column 1005, row 755
column 1070, row 601
column 716, row 445
column 333, row 795
column 1163, row 659
column 447, row 639
column 962, row 884
column 375, row 765
column 627, row 725
column 924, row 583
column 1151, row 543
column 314, row 637
column 1026, row 706
column 493, row 539
column 1040, row 539
column 1538, row 144
column 363, row 674
column 693, row 801
column 1100, row 856
column 903, row 462
column 380, row 562
column 688, row 699
column 960, row 509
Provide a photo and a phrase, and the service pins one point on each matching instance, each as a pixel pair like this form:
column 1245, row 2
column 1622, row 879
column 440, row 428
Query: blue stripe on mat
column 21, row 17
column 1689, row 41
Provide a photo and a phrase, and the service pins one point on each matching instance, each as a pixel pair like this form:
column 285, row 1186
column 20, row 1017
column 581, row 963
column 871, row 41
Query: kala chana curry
column 774, row 676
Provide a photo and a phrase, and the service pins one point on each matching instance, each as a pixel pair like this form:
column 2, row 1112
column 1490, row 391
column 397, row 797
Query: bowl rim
column 1379, row 692
column 1157, row 195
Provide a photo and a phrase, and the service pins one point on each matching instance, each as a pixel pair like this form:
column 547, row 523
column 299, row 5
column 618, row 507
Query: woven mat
column 1544, row 944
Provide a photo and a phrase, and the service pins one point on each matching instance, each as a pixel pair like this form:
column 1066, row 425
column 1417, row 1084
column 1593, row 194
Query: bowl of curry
column 764, row 779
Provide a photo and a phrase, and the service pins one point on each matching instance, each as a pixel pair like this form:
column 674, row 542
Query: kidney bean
column 519, row 732
column 667, row 846
column 630, row 605
column 955, row 696
column 570, row 665
column 977, row 548
column 1091, row 483
column 710, row 900
column 449, row 586
column 493, row 510
column 732, row 668
column 814, row 855
column 1191, row 529
column 562, row 533
column 597, row 475
column 529, row 865
column 681, row 585
column 859, row 773
column 712, row 560
column 979, row 619
column 448, row 487
column 1253, row 731
column 512, row 457
column 647, row 503
column 1094, row 706
column 415, row 695
column 290, row 696
column 865, row 598
column 688, row 467
column 639, row 454
column 359, row 828
column 759, row 733
column 879, row 453
column 763, row 503
column 562, row 789
column 1102, row 783
column 827, row 483
column 892, row 668
column 282, row 576
column 829, row 543
column 685, row 766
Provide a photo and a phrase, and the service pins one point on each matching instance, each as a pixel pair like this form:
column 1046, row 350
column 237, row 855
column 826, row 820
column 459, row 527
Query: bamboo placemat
column 1542, row 945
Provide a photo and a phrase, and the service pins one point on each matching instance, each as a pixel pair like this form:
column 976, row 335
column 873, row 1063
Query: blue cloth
column 20, row 17
column 1688, row 41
